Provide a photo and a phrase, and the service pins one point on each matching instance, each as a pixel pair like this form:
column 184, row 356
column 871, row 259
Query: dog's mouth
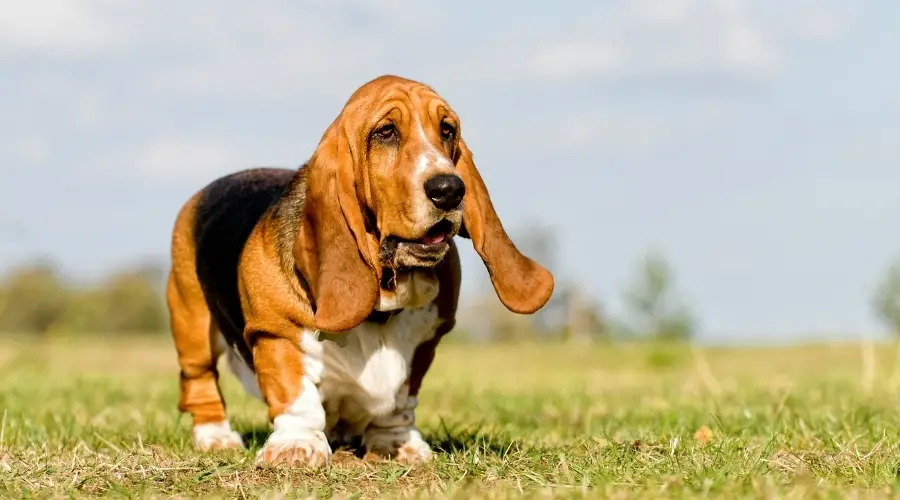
column 437, row 236
column 423, row 252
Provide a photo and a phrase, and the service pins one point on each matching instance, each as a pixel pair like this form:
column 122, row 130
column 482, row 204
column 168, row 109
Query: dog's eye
column 386, row 132
column 447, row 131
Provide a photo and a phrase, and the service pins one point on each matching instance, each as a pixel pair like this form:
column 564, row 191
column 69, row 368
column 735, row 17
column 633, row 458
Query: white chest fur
column 365, row 379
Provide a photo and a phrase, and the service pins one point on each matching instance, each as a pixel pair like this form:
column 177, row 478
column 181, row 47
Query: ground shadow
column 455, row 440
column 442, row 440
column 255, row 437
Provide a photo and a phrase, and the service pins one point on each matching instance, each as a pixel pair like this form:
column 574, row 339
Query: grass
column 97, row 417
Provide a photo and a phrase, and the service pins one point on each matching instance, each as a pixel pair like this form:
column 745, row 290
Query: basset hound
column 329, row 287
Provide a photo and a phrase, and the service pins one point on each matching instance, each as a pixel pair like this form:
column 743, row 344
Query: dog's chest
column 366, row 378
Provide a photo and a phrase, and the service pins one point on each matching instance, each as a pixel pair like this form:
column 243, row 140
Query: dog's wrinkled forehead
column 415, row 98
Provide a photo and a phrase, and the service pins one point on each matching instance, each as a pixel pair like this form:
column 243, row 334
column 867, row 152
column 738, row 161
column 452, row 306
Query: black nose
column 446, row 191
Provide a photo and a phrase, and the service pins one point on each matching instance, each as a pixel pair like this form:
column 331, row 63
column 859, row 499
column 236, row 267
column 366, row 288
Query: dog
column 329, row 287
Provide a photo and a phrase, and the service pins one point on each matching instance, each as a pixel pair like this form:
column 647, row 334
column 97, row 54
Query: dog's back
column 224, row 215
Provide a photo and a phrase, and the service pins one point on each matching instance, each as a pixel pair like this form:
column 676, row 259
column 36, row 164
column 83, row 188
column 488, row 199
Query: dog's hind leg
column 197, row 342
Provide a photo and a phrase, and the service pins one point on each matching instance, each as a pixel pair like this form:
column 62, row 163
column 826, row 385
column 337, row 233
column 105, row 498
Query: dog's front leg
column 396, row 435
column 289, row 372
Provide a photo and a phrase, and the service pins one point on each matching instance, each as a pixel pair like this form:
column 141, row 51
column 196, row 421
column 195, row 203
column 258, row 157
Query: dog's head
column 389, row 185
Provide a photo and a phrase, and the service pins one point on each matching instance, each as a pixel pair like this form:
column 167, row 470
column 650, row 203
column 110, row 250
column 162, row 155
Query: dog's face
column 407, row 138
column 391, row 182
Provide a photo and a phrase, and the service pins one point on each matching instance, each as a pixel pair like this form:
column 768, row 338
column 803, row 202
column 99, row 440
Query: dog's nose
column 446, row 191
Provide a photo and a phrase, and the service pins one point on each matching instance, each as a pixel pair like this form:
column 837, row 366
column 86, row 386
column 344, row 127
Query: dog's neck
column 382, row 317
column 408, row 288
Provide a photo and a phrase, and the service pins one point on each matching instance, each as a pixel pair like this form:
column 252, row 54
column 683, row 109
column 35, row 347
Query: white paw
column 295, row 449
column 403, row 444
column 415, row 450
column 216, row 436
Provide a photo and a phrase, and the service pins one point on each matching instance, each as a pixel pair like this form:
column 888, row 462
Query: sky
column 753, row 143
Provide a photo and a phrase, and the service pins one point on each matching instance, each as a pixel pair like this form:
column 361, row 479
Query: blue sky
column 754, row 143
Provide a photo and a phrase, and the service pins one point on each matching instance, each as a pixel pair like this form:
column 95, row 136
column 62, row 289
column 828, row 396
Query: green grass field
column 98, row 417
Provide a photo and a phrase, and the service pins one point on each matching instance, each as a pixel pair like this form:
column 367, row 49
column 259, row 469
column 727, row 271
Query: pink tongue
column 433, row 240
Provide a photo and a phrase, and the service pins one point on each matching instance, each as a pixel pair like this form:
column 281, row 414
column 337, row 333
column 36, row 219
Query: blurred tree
column 570, row 314
column 85, row 312
column 134, row 302
column 34, row 299
column 585, row 321
column 540, row 242
column 886, row 299
column 653, row 308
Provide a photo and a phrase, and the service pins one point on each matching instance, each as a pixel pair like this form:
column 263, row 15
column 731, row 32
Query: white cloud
column 575, row 58
column 664, row 12
column 746, row 50
column 616, row 134
column 623, row 133
column 172, row 53
column 627, row 135
column 89, row 110
column 819, row 24
column 29, row 150
column 183, row 158
column 876, row 148
column 84, row 105
column 271, row 51
column 60, row 27
column 665, row 38
column 275, row 51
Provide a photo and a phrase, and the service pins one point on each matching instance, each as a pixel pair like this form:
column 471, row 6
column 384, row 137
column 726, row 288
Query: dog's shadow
column 442, row 440
column 255, row 437
column 466, row 441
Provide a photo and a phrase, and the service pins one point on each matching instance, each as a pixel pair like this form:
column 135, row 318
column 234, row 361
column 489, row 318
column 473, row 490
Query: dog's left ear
column 331, row 250
column 522, row 285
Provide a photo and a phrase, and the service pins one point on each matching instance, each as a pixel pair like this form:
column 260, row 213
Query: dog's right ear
column 522, row 285
column 330, row 249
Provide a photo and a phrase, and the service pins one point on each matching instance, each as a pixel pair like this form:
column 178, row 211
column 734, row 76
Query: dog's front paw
column 405, row 445
column 302, row 449
column 414, row 450
column 216, row 436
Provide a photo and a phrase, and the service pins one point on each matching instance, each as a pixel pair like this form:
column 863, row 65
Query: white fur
column 432, row 157
column 367, row 377
column 357, row 390
column 431, row 161
column 412, row 289
column 242, row 371
column 300, row 431
column 396, row 434
column 216, row 435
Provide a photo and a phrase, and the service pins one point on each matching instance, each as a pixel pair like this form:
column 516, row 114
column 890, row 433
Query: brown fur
column 261, row 254
column 192, row 327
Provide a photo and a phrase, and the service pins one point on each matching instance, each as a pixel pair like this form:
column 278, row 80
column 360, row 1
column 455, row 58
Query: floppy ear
column 522, row 285
column 330, row 245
